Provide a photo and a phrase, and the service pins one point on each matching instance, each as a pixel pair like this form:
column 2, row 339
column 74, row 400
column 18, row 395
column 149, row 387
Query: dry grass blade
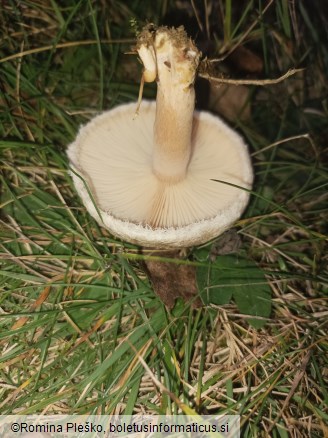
column 297, row 379
column 62, row 46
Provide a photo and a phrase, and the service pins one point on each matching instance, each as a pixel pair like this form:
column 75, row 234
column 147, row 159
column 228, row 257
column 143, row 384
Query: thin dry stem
column 285, row 140
column 197, row 16
column 64, row 46
column 260, row 82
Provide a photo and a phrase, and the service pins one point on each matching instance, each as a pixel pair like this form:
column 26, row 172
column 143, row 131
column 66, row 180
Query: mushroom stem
column 175, row 59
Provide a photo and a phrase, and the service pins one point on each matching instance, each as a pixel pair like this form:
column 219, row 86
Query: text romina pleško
column 67, row 427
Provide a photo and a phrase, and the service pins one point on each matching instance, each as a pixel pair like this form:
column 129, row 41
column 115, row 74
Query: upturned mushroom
column 170, row 177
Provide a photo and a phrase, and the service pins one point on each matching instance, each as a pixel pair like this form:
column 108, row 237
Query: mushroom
column 171, row 176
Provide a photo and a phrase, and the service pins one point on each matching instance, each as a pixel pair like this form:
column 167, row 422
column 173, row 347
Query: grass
column 81, row 328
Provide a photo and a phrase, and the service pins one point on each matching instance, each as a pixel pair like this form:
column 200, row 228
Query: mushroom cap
column 112, row 160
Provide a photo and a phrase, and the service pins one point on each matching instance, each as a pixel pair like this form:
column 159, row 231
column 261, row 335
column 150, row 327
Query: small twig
column 260, row 82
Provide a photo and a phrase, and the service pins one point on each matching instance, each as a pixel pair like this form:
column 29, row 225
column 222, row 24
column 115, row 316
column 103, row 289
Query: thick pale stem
column 174, row 58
